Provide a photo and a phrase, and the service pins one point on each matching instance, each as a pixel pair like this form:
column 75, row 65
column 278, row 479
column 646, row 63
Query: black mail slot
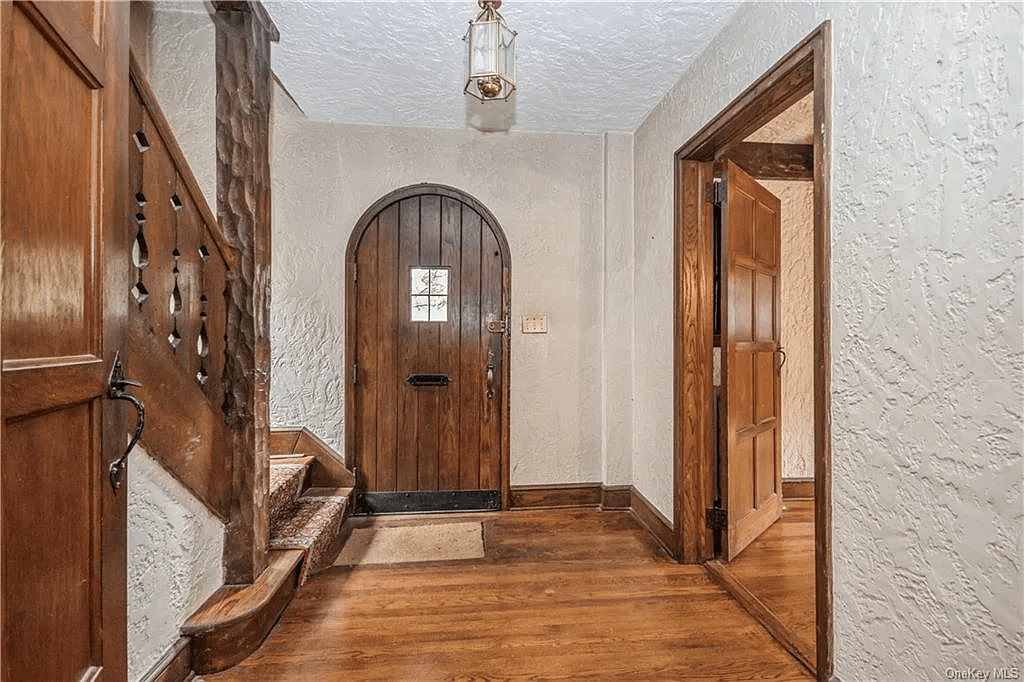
column 428, row 379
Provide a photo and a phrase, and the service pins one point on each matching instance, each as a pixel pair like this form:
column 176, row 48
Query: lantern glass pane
column 483, row 43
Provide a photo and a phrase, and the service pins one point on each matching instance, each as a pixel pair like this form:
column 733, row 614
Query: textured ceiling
column 583, row 66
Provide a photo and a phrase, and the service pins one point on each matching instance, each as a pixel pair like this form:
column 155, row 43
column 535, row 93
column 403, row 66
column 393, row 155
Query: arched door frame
column 407, row 192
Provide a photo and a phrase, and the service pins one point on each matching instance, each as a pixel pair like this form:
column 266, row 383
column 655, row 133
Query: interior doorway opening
column 804, row 72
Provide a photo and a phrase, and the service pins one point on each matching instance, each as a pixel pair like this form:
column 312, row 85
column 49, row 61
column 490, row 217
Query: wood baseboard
column 556, row 496
column 237, row 618
column 610, row 498
column 174, row 666
column 329, row 470
column 801, row 650
column 616, row 497
column 798, row 488
column 653, row 520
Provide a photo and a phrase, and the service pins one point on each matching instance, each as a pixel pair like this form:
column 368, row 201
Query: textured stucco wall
column 183, row 75
column 175, row 547
column 796, row 296
column 927, row 354
column 617, row 332
column 546, row 192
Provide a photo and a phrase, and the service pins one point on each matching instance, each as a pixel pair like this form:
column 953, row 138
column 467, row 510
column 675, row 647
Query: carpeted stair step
column 286, row 483
column 311, row 523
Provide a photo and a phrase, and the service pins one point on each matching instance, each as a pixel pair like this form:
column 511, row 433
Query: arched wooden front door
column 427, row 348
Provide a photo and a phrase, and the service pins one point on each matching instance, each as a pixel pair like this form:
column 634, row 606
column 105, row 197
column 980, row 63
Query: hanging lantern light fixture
column 492, row 55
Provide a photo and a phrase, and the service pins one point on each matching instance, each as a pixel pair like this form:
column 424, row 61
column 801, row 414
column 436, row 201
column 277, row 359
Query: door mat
column 408, row 544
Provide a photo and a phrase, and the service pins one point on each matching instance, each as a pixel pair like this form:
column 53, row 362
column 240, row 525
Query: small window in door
column 429, row 294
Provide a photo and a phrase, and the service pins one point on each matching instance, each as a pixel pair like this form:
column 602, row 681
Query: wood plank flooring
column 777, row 570
column 560, row 594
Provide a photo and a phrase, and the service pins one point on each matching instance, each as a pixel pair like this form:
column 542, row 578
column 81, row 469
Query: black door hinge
column 716, row 518
column 355, row 373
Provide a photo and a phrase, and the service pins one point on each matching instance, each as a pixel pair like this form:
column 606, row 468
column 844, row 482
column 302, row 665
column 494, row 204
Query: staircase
column 310, row 493
column 303, row 517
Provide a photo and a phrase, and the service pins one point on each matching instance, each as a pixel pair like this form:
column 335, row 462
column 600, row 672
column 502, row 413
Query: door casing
column 805, row 69
column 351, row 319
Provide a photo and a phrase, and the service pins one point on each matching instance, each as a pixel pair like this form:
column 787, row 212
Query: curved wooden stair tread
column 236, row 619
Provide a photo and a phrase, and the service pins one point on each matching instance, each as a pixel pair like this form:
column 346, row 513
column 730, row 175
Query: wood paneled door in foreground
column 750, row 433
column 64, row 298
column 427, row 344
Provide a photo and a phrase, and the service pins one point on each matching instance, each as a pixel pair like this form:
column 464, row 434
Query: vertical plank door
column 65, row 282
column 752, row 462
column 428, row 395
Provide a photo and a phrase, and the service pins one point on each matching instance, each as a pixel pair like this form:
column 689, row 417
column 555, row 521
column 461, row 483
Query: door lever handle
column 116, row 385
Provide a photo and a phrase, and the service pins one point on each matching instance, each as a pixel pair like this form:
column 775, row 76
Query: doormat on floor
column 407, row 544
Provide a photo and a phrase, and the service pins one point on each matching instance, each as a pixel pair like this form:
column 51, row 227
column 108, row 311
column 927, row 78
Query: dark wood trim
column 506, row 294
column 174, row 666
column 694, row 396
column 558, row 495
column 258, row 11
column 653, row 520
column 821, row 43
column 244, row 93
column 798, row 489
column 237, row 618
column 327, row 471
column 806, row 68
column 783, row 85
column 615, row 497
column 772, row 160
column 801, row 650
column 282, row 441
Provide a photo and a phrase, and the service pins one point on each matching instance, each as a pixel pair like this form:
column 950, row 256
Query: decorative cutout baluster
column 174, row 303
column 203, row 339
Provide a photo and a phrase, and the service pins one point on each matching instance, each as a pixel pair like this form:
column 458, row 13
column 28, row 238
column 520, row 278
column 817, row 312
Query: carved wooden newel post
column 244, row 90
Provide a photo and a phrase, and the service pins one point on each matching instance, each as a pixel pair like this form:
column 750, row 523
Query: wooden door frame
column 806, row 68
column 355, row 237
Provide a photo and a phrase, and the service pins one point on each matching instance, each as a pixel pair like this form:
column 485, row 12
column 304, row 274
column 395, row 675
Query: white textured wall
column 617, row 332
column 546, row 192
column 796, row 296
column 183, row 75
column 927, row 356
column 175, row 548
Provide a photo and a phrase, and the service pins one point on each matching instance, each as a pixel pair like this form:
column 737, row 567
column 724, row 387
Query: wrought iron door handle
column 490, row 381
column 116, row 385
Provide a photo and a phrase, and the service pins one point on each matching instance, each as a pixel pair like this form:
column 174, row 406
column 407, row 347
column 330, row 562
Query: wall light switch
column 535, row 324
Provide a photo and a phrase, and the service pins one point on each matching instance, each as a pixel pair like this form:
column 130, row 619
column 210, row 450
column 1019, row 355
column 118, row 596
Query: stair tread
column 232, row 603
column 286, row 482
column 312, row 524
column 305, row 519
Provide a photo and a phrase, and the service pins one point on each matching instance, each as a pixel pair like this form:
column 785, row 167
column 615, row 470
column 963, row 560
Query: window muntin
column 429, row 294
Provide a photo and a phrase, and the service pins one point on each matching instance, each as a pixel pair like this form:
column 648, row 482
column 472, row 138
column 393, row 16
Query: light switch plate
column 535, row 324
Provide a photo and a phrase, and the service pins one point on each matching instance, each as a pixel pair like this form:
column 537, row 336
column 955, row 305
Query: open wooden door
column 65, row 281
column 749, row 431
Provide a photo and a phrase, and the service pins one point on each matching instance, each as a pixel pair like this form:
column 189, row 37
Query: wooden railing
column 181, row 264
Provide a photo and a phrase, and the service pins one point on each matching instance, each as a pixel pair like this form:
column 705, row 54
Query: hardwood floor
column 777, row 570
column 560, row 594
